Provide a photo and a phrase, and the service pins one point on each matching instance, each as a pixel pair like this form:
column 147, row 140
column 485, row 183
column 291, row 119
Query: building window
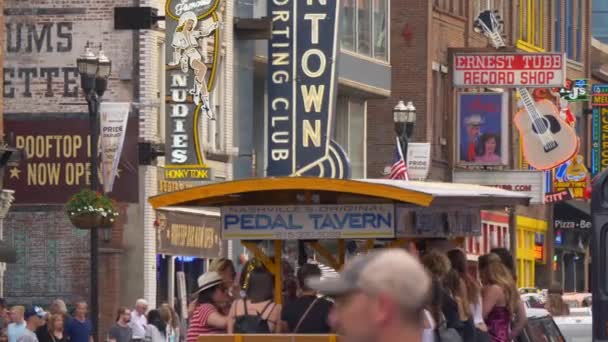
column 557, row 39
column 439, row 110
column 530, row 37
column 455, row 7
column 363, row 27
column 600, row 17
column 351, row 117
column 569, row 25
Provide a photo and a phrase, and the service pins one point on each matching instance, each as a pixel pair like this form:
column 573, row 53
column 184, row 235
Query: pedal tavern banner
column 113, row 121
column 302, row 86
column 192, row 53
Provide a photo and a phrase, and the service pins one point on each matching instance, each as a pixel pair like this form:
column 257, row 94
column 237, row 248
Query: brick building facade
column 42, row 40
column 422, row 33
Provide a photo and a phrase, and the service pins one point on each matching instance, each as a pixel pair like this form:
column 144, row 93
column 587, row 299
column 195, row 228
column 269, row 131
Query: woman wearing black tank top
column 257, row 312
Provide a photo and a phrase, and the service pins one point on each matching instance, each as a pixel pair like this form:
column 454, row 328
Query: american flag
column 399, row 168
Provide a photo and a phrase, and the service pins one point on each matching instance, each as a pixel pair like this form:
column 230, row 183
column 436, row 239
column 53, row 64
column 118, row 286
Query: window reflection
column 347, row 24
column 380, row 14
column 363, row 27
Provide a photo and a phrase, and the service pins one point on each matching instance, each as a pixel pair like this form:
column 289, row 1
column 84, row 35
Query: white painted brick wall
column 149, row 110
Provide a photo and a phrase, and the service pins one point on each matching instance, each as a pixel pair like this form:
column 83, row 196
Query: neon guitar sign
column 547, row 139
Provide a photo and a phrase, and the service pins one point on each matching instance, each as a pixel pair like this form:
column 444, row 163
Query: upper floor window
column 569, row 28
column 531, row 25
column 452, row 6
column 600, row 17
column 363, row 27
column 574, row 29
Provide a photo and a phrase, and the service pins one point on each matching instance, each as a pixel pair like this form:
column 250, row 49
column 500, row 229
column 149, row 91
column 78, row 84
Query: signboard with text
column 531, row 183
column 572, row 176
column 567, row 217
column 57, row 154
column 41, row 45
column 508, row 69
column 303, row 222
column 192, row 55
column 302, row 89
column 418, row 160
column 599, row 127
column 181, row 233
column 575, row 90
column 437, row 222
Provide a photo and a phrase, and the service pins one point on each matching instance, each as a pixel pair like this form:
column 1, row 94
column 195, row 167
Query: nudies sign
column 509, row 69
column 192, row 27
column 302, row 64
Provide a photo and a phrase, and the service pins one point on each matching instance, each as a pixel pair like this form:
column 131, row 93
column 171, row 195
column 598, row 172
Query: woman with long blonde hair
column 499, row 296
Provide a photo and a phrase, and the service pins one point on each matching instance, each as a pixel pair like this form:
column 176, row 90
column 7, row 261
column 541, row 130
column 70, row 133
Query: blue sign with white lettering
column 302, row 62
column 308, row 222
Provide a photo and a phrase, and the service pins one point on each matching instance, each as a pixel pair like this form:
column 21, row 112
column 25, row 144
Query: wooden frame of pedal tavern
column 289, row 191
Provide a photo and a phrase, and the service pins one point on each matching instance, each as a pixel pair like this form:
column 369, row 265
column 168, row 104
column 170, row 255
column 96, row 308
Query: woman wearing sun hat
column 207, row 317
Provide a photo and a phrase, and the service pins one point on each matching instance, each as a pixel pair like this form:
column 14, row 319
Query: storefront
column 187, row 238
column 494, row 234
column 530, row 251
column 572, row 224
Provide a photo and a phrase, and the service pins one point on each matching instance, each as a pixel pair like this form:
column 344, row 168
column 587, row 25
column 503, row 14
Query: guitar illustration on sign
column 548, row 141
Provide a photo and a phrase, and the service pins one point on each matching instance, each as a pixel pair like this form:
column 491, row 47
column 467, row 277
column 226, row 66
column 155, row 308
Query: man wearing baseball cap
column 34, row 317
column 379, row 297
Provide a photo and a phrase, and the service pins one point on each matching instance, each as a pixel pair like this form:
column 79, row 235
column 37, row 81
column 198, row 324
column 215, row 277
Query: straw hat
column 207, row 281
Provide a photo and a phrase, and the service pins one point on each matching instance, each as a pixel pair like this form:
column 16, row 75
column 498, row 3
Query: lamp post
column 404, row 117
column 94, row 71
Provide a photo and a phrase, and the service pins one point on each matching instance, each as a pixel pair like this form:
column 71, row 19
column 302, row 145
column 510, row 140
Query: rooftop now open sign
column 509, row 70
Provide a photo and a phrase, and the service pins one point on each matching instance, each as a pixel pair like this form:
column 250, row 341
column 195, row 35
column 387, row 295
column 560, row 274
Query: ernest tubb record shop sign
column 302, row 88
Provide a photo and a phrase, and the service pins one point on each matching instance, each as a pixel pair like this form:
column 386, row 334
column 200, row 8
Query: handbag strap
column 295, row 331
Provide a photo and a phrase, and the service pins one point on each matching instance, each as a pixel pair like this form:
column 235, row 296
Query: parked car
column 577, row 300
column 533, row 300
column 541, row 328
column 575, row 327
column 524, row 290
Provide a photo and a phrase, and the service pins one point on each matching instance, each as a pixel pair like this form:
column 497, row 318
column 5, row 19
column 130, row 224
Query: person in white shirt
column 138, row 320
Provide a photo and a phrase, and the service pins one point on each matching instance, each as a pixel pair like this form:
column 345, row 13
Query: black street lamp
column 404, row 117
column 94, row 72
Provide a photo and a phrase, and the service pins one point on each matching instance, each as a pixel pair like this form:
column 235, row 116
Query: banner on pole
column 113, row 117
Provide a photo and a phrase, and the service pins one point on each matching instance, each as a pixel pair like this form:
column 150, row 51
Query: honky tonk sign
column 192, row 53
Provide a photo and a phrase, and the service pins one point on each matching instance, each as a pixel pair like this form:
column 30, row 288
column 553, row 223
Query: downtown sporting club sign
column 302, row 86
column 192, row 53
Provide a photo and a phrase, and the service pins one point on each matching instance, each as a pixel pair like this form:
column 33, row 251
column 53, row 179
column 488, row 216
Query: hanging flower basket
column 88, row 209
column 86, row 220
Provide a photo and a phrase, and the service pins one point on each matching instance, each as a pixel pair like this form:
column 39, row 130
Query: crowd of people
column 384, row 295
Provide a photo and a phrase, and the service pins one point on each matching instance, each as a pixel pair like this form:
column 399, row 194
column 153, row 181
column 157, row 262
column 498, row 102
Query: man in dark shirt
column 80, row 329
column 308, row 314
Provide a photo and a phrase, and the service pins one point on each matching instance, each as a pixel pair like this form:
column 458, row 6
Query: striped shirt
column 198, row 323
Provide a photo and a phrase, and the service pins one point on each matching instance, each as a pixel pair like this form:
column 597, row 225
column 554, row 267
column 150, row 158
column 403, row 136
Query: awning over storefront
column 191, row 231
column 289, row 190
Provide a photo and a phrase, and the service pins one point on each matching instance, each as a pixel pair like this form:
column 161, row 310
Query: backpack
column 253, row 324
column 445, row 334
